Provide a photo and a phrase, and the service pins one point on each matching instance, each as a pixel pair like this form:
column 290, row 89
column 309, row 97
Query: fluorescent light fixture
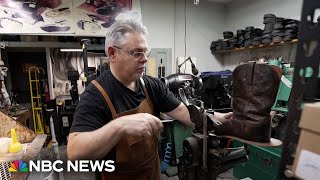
column 71, row 50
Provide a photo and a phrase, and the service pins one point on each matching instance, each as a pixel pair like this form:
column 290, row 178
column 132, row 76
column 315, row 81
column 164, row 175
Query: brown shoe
column 255, row 88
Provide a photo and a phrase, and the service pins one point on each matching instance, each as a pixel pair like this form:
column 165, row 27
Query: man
column 117, row 116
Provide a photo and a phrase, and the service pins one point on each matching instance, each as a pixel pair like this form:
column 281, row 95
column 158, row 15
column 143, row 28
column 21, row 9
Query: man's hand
column 96, row 144
column 223, row 116
column 141, row 124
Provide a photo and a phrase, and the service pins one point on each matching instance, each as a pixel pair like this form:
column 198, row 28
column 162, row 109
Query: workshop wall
column 206, row 22
column 165, row 21
column 158, row 17
column 250, row 12
column 240, row 14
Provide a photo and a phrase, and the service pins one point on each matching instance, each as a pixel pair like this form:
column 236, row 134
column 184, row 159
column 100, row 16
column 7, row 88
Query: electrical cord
column 167, row 155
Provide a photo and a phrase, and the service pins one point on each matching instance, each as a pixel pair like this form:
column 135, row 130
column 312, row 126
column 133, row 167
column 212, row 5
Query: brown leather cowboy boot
column 255, row 88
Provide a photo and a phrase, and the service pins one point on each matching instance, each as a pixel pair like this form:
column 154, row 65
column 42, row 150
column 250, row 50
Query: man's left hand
column 223, row 116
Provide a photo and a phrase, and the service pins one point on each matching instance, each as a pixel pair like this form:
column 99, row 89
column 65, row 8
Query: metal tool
column 167, row 120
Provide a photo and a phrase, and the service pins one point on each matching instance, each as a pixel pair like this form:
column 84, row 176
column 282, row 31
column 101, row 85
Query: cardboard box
column 307, row 161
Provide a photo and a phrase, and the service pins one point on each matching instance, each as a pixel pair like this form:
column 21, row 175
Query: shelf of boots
column 282, row 43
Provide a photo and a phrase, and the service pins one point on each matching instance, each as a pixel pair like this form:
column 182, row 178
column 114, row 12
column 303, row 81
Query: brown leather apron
column 136, row 157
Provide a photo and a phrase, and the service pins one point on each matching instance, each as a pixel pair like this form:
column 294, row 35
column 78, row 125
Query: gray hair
column 115, row 34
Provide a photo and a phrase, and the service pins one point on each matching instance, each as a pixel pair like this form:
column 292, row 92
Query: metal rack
column 36, row 98
column 304, row 86
column 4, row 172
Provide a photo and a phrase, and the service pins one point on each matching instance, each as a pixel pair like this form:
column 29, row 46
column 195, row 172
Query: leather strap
column 144, row 88
column 146, row 92
column 106, row 97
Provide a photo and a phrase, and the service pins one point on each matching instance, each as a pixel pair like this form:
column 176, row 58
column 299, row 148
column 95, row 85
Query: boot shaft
column 255, row 88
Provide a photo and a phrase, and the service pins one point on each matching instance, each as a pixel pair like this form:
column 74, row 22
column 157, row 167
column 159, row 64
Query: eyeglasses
column 137, row 54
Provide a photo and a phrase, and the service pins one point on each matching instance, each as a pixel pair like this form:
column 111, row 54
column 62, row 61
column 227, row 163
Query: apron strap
column 146, row 93
column 144, row 88
column 106, row 97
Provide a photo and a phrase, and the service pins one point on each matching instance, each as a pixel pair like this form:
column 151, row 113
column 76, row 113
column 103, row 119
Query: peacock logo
column 18, row 166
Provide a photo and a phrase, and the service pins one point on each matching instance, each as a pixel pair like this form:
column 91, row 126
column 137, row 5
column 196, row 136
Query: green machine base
column 263, row 163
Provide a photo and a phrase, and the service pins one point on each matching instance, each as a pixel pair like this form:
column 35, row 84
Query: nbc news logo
column 47, row 166
column 18, row 166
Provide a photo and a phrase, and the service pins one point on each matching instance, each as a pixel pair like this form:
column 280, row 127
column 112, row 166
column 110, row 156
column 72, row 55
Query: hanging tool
column 84, row 43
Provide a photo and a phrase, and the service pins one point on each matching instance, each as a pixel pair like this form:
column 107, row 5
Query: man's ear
column 111, row 54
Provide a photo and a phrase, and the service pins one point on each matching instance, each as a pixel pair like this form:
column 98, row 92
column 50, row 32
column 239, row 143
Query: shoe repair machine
column 202, row 155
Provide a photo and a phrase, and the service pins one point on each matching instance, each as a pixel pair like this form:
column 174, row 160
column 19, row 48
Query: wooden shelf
column 294, row 41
